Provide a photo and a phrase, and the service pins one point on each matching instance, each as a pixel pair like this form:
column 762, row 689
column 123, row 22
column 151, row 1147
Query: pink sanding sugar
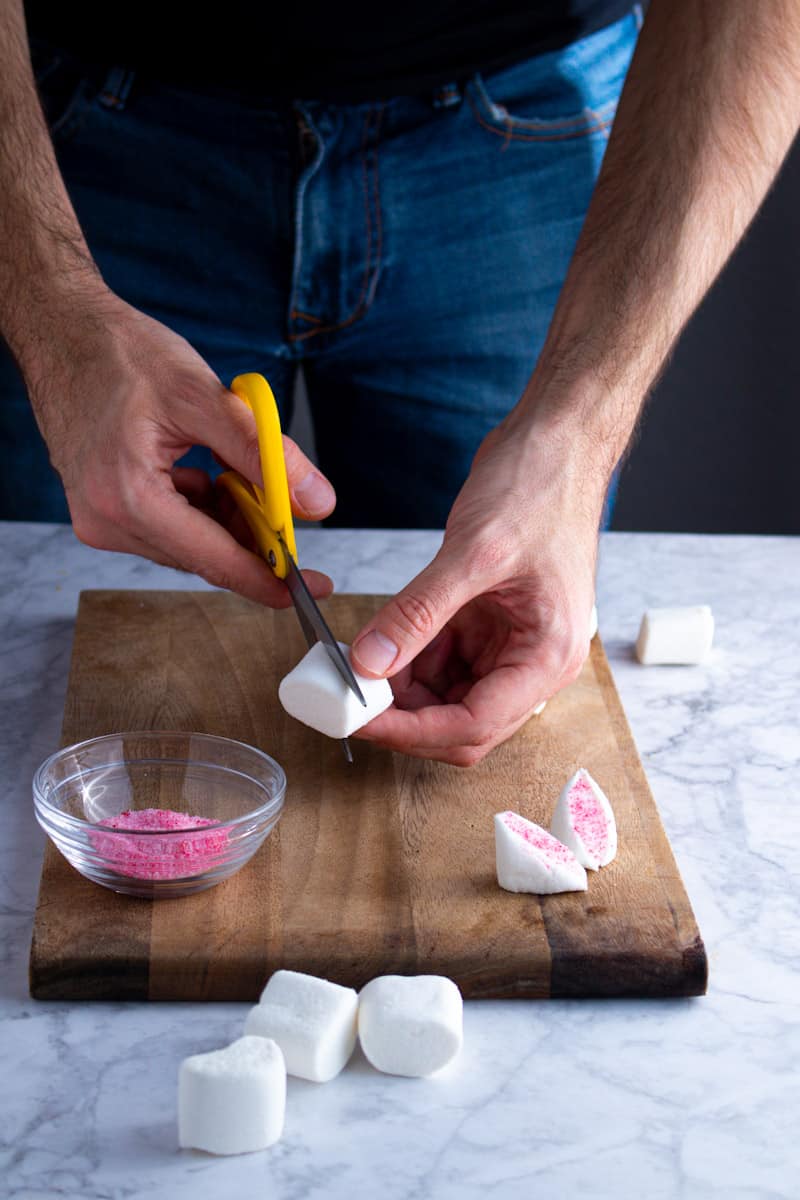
column 159, row 858
column 588, row 818
column 547, row 845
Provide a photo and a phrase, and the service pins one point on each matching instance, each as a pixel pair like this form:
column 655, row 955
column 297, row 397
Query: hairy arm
column 44, row 260
column 118, row 397
column 498, row 620
column 709, row 110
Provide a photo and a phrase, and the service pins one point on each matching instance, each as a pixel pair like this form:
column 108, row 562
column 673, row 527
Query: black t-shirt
column 345, row 50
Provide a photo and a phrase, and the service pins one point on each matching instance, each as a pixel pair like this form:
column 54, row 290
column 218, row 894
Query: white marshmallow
column 410, row 1024
column 312, row 1020
column 675, row 636
column 315, row 693
column 584, row 821
column 529, row 859
column 232, row 1101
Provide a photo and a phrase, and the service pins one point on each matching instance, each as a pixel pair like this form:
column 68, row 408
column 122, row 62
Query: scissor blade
column 315, row 626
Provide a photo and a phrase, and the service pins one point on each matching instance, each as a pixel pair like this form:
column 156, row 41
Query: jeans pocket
column 517, row 125
column 567, row 93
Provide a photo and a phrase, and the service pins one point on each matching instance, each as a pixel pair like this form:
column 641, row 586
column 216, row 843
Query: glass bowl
column 158, row 814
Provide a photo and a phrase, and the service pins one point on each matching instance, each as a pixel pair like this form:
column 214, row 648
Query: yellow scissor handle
column 267, row 510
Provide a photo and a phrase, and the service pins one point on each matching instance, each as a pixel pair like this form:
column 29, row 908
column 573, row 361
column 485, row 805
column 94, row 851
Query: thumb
column 410, row 621
column 311, row 493
column 236, row 442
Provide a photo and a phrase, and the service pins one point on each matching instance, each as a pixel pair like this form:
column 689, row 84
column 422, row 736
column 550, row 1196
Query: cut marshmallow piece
column 529, row 859
column 232, row 1101
column 315, row 693
column 584, row 821
column 410, row 1024
column 312, row 1020
column 675, row 636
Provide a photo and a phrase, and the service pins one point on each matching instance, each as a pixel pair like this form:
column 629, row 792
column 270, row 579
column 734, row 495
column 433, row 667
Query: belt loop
column 446, row 96
column 117, row 87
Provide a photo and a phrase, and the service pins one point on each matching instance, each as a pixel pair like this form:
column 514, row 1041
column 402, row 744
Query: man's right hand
column 119, row 398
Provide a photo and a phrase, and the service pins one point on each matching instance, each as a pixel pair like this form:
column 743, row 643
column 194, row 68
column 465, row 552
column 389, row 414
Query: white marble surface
column 651, row 1100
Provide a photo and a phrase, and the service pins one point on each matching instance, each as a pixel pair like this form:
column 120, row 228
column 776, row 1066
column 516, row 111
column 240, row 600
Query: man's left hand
column 499, row 620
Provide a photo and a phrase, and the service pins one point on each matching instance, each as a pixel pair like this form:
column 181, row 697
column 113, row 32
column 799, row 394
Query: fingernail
column 375, row 652
column 314, row 493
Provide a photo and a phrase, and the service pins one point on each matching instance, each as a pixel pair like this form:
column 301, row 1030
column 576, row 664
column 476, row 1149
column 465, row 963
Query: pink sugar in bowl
column 158, row 814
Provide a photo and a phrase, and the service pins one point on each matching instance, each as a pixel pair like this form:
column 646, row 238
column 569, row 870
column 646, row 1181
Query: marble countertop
column 645, row 1099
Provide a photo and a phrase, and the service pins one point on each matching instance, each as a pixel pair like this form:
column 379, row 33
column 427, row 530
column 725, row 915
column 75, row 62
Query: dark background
column 717, row 448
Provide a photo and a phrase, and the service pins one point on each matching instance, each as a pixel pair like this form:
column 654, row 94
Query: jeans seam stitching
column 298, row 243
column 356, row 312
column 297, row 313
column 370, row 273
column 508, row 134
column 533, row 124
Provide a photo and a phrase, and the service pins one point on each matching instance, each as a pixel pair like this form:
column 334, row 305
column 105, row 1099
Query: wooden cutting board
column 386, row 866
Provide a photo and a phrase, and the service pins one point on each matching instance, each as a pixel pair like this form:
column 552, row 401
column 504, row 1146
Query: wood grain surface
column 386, row 866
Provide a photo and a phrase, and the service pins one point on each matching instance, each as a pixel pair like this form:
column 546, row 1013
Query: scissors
column 268, row 513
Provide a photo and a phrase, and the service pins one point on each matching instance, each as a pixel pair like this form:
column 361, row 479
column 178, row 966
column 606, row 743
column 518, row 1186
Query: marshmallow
column 315, row 693
column 529, row 859
column 410, row 1024
column 313, row 1021
column 540, row 708
column 584, row 821
column 232, row 1101
column 675, row 635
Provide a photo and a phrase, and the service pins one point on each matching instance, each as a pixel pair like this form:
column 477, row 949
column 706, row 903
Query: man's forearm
column 709, row 110
column 44, row 259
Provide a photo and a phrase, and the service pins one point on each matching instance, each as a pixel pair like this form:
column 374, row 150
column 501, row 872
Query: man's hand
column 709, row 109
column 499, row 620
column 119, row 399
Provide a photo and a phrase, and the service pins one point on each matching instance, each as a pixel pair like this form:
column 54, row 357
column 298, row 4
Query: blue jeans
column 408, row 254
